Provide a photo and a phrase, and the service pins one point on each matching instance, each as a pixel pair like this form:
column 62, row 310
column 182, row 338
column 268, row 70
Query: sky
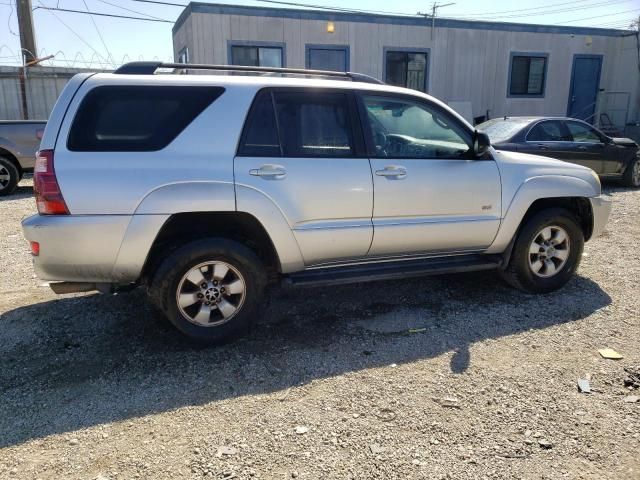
column 92, row 41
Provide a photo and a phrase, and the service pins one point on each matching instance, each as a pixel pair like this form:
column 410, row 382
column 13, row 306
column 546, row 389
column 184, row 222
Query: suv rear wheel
column 210, row 289
column 547, row 252
column 9, row 176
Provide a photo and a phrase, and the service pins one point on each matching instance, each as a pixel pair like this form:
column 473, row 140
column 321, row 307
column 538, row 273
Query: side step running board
column 393, row 270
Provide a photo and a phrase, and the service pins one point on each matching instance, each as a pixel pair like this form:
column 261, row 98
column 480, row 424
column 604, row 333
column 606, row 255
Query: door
column 430, row 195
column 328, row 57
column 549, row 138
column 585, row 82
column 303, row 149
column 588, row 147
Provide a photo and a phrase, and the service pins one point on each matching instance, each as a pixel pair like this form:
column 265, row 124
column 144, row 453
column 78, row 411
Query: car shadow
column 82, row 361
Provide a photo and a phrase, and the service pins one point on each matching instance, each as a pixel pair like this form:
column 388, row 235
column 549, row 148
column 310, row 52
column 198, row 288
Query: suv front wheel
column 210, row 289
column 547, row 252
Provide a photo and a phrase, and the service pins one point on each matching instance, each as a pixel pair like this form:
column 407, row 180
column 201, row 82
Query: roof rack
column 149, row 68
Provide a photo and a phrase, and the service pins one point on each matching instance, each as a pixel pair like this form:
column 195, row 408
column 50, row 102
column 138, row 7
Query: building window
column 327, row 57
column 256, row 55
column 406, row 68
column 527, row 74
column 183, row 56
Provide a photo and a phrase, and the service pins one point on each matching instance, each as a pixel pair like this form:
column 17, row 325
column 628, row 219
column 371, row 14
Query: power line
column 129, row 10
column 600, row 16
column 71, row 29
column 161, row 3
column 98, row 30
column 541, row 7
column 103, row 14
column 543, row 12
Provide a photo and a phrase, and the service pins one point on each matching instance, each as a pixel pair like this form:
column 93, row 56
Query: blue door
column 585, row 82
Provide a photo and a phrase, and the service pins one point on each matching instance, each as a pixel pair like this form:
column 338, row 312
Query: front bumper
column 600, row 208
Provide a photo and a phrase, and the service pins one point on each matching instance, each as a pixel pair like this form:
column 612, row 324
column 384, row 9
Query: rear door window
column 549, row 131
column 299, row 124
column 136, row 118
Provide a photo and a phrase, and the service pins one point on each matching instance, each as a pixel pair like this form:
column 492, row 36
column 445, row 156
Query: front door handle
column 393, row 171
column 269, row 171
column 582, row 147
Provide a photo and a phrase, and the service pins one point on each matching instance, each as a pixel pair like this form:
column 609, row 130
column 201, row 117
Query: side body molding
column 253, row 202
column 532, row 189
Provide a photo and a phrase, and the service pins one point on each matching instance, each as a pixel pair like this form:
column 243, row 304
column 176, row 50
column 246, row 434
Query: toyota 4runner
column 207, row 188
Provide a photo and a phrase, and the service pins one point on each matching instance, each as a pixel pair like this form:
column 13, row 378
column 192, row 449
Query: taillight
column 35, row 248
column 45, row 185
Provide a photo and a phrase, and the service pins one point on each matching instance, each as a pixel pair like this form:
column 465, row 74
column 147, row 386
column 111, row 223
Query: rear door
column 549, row 138
column 303, row 149
column 588, row 147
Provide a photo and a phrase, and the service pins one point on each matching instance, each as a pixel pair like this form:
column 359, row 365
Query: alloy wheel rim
column 4, row 177
column 211, row 293
column 549, row 251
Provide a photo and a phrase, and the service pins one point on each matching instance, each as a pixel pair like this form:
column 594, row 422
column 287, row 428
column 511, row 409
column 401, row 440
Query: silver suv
column 207, row 188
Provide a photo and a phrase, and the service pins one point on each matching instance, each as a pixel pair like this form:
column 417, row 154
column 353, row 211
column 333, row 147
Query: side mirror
column 481, row 143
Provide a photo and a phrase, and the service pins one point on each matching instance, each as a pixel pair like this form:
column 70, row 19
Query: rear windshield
column 500, row 130
column 136, row 118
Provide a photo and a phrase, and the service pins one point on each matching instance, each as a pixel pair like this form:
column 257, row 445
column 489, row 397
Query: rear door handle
column 393, row 171
column 543, row 147
column 269, row 171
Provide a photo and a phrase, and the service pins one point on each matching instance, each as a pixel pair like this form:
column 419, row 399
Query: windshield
column 500, row 130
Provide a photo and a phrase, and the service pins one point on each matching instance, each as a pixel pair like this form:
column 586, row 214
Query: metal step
column 392, row 270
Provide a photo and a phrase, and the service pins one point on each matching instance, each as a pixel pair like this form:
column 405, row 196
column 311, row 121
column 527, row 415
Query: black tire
column 520, row 274
column 631, row 177
column 163, row 289
column 8, row 168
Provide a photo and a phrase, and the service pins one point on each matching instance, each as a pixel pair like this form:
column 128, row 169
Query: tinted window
column 582, row 133
column 406, row 129
column 136, row 118
column 527, row 75
column 314, row 124
column 261, row 133
column 551, row 131
column 406, row 69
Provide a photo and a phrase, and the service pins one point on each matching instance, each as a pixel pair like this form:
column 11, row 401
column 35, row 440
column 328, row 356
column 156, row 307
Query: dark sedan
column 570, row 140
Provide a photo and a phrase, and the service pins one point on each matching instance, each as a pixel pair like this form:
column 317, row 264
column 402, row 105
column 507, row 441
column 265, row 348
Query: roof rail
column 149, row 68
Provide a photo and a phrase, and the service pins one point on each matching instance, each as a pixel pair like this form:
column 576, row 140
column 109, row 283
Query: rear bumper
column 92, row 248
column 601, row 208
column 76, row 248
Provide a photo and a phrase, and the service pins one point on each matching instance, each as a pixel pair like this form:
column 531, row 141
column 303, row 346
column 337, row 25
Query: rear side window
column 299, row 124
column 136, row 118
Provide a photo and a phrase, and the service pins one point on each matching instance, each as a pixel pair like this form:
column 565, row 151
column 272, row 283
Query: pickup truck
column 19, row 141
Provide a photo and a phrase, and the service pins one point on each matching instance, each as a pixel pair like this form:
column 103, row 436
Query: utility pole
column 25, row 25
column 434, row 11
column 28, row 52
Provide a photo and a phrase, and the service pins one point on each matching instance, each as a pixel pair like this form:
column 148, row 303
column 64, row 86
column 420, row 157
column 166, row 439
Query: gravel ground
column 444, row 377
